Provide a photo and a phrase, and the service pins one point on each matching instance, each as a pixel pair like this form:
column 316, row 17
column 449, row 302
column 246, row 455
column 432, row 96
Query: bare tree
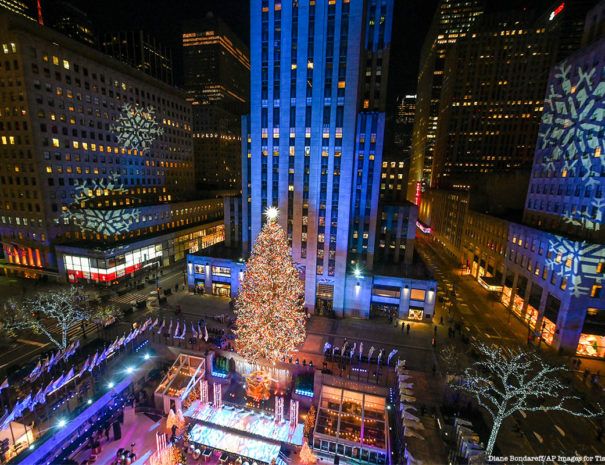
column 505, row 381
column 53, row 313
column 450, row 358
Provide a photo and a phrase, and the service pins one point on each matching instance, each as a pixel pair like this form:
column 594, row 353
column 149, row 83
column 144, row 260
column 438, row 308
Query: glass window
column 417, row 294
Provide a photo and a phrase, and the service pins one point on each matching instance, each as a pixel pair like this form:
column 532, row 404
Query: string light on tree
column 269, row 308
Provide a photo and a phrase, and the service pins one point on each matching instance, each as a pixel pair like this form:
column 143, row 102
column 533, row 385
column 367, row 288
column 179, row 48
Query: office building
column 452, row 21
column 312, row 146
column 70, row 20
column 141, row 51
column 405, row 111
column 491, row 97
column 217, row 81
column 552, row 274
column 20, row 7
column 96, row 174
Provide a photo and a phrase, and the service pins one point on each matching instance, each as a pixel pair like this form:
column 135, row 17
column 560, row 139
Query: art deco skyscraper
column 312, row 144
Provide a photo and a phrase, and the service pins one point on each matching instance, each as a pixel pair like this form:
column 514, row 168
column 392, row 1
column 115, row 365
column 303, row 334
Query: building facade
column 217, row 81
column 452, row 21
column 492, row 93
column 312, row 146
column 70, row 20
column 96, row 162
column 141, row 51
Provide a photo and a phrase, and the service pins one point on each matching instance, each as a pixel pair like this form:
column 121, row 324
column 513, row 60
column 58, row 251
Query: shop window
column 417, row 294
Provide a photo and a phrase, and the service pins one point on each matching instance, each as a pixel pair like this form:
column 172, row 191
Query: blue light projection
column 571, row 136
column 137, row 128
column 98, row 220
column 575, row 261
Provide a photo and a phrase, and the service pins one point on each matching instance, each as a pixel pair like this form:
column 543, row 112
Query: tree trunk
column 493, row 435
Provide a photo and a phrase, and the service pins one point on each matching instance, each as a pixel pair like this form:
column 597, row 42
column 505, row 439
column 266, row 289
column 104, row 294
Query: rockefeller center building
column 312, row 147
column 96, row 164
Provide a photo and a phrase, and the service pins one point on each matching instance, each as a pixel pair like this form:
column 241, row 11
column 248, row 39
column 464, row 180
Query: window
column 417, row 294
column 596, row 290
column 221, row 271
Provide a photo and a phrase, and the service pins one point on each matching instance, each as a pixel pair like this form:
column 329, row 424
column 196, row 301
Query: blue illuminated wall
column 317, row 67
column 566, row 189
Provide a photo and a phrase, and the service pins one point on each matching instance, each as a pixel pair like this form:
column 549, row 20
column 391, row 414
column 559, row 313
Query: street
column 545, row 433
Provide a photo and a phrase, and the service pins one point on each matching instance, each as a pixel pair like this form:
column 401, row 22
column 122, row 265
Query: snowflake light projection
column 104, row 221
column 570, row 137
column 576, row 261
column 137, row 128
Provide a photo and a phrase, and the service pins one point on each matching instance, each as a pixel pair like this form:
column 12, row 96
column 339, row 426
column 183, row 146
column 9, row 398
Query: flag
column 4, row 384
column 176, row 331
column 205, row 333
column 327, row 346
column 184, row 333
column 353, row 350
column 195, row 335
column 162, row 327
column 34, row 373
column 58, row 383
column 40, row 397
column 170, row 327
column 84, row 367
column 391, row 355
column 360, row 350
column 93, row 362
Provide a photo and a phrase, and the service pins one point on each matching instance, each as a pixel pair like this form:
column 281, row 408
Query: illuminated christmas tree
column 307, row 456
column 269, row 308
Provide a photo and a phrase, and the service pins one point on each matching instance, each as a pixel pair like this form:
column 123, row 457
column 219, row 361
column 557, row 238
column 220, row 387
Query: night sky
column 163, row 18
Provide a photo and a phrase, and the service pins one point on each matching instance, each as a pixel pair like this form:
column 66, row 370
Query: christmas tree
column 269, row 308
column 307, row 456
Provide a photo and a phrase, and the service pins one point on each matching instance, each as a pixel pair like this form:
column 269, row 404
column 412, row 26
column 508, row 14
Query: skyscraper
column 312, row 146
column 451, row 22
column 96, row 173
column 217, row 81
column 71, row 21
column 316, row 124
column 141, row 51
column 492, row 92
column 20, row 7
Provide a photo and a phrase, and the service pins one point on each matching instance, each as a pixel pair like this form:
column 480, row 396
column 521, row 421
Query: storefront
column 221, row 289
column 113, row 264
column 591, row 345
column 548, row 331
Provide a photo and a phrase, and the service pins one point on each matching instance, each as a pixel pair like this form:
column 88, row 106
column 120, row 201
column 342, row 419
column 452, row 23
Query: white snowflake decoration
column 584, row 258
column 569, row 137
column 137, row 128
column 103, row 221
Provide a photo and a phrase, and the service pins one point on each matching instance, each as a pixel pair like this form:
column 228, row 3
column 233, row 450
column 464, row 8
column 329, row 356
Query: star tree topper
column 269, row 307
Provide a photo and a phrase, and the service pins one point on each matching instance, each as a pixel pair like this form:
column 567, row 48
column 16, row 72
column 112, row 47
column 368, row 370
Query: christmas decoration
column 307, row 457
column 137, row 127
column 310, row 421
column 269, row 308
column 569, row 141
column 85, row 211
column 505, row 381
column 258, row 386
column 171, row 420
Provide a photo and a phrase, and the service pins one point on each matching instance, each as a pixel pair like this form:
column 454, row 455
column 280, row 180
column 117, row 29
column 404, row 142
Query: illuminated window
column 55, row 60
column 417, row 294
column 65, row 64
column 596, row 290
column 601, row 267
column 55, row 142
column 592, row 311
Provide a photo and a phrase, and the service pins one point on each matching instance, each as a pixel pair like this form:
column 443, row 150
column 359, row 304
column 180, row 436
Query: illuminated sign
column 556, row 11
column 425, row 229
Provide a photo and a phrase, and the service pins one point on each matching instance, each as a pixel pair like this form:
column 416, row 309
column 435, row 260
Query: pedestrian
column 441, row 320
column 585, row 375
column 402, row 327
column 407, row 328
column 434, row 343
column 107, row 433
column 435, row 329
